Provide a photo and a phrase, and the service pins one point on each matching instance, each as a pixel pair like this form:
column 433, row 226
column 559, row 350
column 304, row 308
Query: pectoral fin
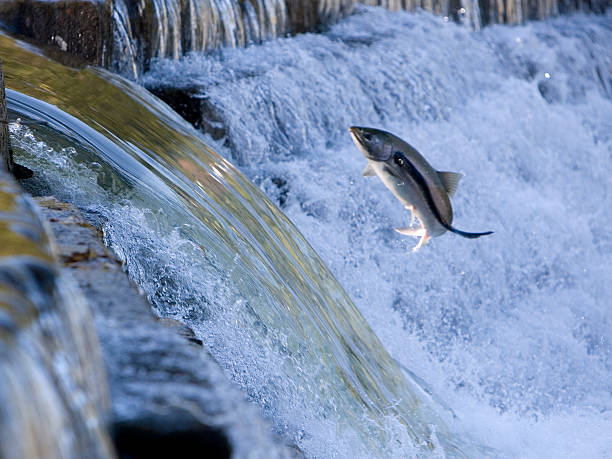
column 369, row 170
column 450, row 180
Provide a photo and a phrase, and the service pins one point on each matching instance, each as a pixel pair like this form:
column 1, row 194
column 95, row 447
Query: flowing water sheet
column 512, row 331
column 210, row 250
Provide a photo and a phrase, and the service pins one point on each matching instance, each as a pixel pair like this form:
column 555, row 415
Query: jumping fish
column 424, row 191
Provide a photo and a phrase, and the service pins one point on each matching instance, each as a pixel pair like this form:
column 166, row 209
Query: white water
column 513, row 331
column 210, row 250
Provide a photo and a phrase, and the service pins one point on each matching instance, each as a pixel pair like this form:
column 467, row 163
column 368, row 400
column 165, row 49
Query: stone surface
column 6, row 152
column 193, row 107
column 66, row 29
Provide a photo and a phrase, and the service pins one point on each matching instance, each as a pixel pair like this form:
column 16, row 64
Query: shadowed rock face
column 172, row 435
column 193, row 107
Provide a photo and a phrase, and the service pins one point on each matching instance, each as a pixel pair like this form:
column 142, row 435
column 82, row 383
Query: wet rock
column 174, row 434
column 303, row 15
column 277, row 188
column 182, row 329
column 6, row 152
column 66, row 29
column 194, row 107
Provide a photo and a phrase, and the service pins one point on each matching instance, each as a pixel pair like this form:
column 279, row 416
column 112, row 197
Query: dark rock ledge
column 75, row 32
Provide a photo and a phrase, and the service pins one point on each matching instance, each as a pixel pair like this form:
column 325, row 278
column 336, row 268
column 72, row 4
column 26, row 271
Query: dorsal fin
column 450, row 180
column 369, row 170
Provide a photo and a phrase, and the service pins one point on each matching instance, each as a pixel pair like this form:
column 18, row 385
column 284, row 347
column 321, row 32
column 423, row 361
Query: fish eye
column 368, row 137
column 398, row 158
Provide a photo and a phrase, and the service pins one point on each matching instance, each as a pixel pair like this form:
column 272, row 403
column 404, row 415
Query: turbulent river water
column 499, row 346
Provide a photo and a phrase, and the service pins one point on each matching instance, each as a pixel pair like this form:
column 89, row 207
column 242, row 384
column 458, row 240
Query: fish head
column 374, row 144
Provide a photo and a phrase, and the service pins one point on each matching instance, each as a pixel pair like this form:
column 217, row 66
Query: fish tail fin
column 464, row 233
column 468, row 235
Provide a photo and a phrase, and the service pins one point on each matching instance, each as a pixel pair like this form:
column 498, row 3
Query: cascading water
column 512, row 331
column 169, row 28
column 210, row 250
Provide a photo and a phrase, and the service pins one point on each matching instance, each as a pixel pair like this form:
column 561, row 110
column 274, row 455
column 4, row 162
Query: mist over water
column 511, row 331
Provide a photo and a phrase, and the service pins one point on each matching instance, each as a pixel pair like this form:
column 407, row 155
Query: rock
column 193, row 107
column 182, row 329
column 303, row 15
column 65, row 29
column 174, row 434
column 6, row 153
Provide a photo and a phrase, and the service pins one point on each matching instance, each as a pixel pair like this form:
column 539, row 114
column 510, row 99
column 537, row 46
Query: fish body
column 417, row 185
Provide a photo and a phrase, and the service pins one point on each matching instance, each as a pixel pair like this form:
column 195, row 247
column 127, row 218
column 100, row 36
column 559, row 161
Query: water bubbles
column 498, row 317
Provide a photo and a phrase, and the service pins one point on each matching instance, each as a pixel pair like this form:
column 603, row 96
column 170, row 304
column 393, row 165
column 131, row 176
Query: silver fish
column 423, row 190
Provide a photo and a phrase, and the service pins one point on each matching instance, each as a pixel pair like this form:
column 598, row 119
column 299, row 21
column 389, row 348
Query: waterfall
column 210, row 250
column 170, row 28
column 499, row 346
column 513, row 330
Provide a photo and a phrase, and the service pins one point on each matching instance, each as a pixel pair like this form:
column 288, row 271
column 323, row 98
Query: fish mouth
column 359, row 136
column 354, row 131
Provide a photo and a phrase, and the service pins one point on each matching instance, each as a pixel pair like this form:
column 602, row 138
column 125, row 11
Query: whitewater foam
column 512, row 331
